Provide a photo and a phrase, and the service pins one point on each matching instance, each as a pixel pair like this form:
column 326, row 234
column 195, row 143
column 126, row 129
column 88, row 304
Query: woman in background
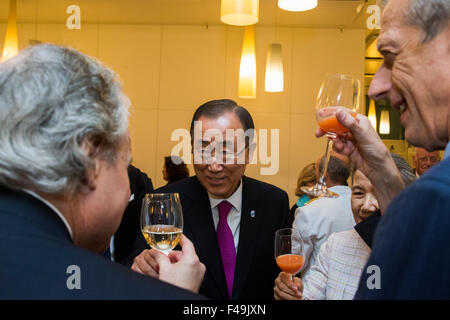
column 307, row 177
column 174, row 169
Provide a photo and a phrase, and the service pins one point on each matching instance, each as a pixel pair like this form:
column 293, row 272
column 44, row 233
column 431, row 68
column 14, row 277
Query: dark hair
column 337, row 170
column 174, row 171
column 403, row 167
column 215, row 108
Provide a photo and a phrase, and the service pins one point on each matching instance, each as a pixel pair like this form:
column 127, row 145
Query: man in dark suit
column 64, row 154
column 220, row 197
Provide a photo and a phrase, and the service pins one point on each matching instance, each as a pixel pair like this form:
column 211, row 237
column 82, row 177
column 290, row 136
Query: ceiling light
column 385, row 127
column 247, row 70
column 372, row 115
column 297, row 5
column 11, row 46
column 274, row 69
column 239, row 12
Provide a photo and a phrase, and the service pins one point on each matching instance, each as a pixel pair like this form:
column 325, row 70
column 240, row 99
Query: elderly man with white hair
column 410, row 254
column 424, row 160
column 64, row 154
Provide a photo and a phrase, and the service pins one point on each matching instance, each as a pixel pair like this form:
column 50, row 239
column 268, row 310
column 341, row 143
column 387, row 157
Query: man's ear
column 91, row 149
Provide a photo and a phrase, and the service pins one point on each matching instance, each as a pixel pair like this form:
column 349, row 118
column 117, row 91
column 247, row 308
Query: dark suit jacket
column 366, row 228
column 292, row 211
column 256, row 269
column 412, row 242
column 36, row 251
column 126, row 235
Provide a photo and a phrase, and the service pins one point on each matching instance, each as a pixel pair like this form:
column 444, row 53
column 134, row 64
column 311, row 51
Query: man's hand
column 286, row 289
column 180, row 268
column 146, row 264
column 366, row 150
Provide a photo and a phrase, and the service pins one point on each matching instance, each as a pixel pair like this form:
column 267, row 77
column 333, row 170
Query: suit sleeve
column 411, row 246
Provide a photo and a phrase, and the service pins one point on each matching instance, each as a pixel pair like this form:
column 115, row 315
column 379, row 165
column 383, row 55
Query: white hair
column 406, row 172
column 432, row 16
column 52, row 100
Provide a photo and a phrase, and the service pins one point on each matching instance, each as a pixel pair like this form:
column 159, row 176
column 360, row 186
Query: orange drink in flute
column 338, row 92
column 289, row 251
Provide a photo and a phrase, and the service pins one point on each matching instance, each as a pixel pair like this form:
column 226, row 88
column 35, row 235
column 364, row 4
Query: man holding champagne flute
column 412, row 239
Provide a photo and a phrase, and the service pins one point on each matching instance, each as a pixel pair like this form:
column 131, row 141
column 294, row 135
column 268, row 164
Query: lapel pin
column 252, row 213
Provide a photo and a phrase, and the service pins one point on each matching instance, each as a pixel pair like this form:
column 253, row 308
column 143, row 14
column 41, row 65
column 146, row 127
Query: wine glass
column 162, row 220
column 338, row 92
column 289, row 251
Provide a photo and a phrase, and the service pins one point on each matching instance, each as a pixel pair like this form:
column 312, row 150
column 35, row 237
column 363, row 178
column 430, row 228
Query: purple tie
column 226, row 244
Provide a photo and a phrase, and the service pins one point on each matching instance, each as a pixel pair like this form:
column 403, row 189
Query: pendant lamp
column 372, row 115
column 274, row 69
column 297, row 5
column 385, row 127
column 247, row 70
column 10, row 45
column 239, row 12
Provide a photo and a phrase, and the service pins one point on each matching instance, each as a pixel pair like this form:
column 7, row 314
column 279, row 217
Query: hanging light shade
column 372, row 115
column 274, row 69
column 297, row 5
column 385, row 126
column 11, row 46
column 247, row 70
column 239, row 12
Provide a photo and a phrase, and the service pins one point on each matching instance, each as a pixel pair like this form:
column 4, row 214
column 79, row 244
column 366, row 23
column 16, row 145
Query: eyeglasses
column 425, row 160
column 224, row 156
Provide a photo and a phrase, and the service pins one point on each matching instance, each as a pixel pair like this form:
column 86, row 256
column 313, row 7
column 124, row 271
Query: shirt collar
column 447, row 151
column 341, row 190
column 235, row 199
column 53, row 208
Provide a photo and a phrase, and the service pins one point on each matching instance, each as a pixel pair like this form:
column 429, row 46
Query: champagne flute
column 289, row 251
column 338, row 92
column 162, row 220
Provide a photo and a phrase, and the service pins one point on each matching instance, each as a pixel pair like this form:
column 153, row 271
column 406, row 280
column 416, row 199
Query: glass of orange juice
column 289, row 251
column 338, row 92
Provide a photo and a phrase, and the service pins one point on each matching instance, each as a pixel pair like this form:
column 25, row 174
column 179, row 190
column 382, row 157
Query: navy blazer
column 412, row 242
column 36, row 255
column 256, row 269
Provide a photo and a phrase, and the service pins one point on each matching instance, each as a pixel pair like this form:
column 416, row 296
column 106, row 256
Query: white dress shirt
column 58, row 213
column 234, row 217
column 336, row 272
column 319, row 219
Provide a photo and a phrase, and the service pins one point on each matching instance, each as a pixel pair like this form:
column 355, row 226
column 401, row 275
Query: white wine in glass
column 338, row 92
column 162, row 220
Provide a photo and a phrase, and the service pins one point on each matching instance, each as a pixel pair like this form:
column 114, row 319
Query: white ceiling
column 328, row 13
